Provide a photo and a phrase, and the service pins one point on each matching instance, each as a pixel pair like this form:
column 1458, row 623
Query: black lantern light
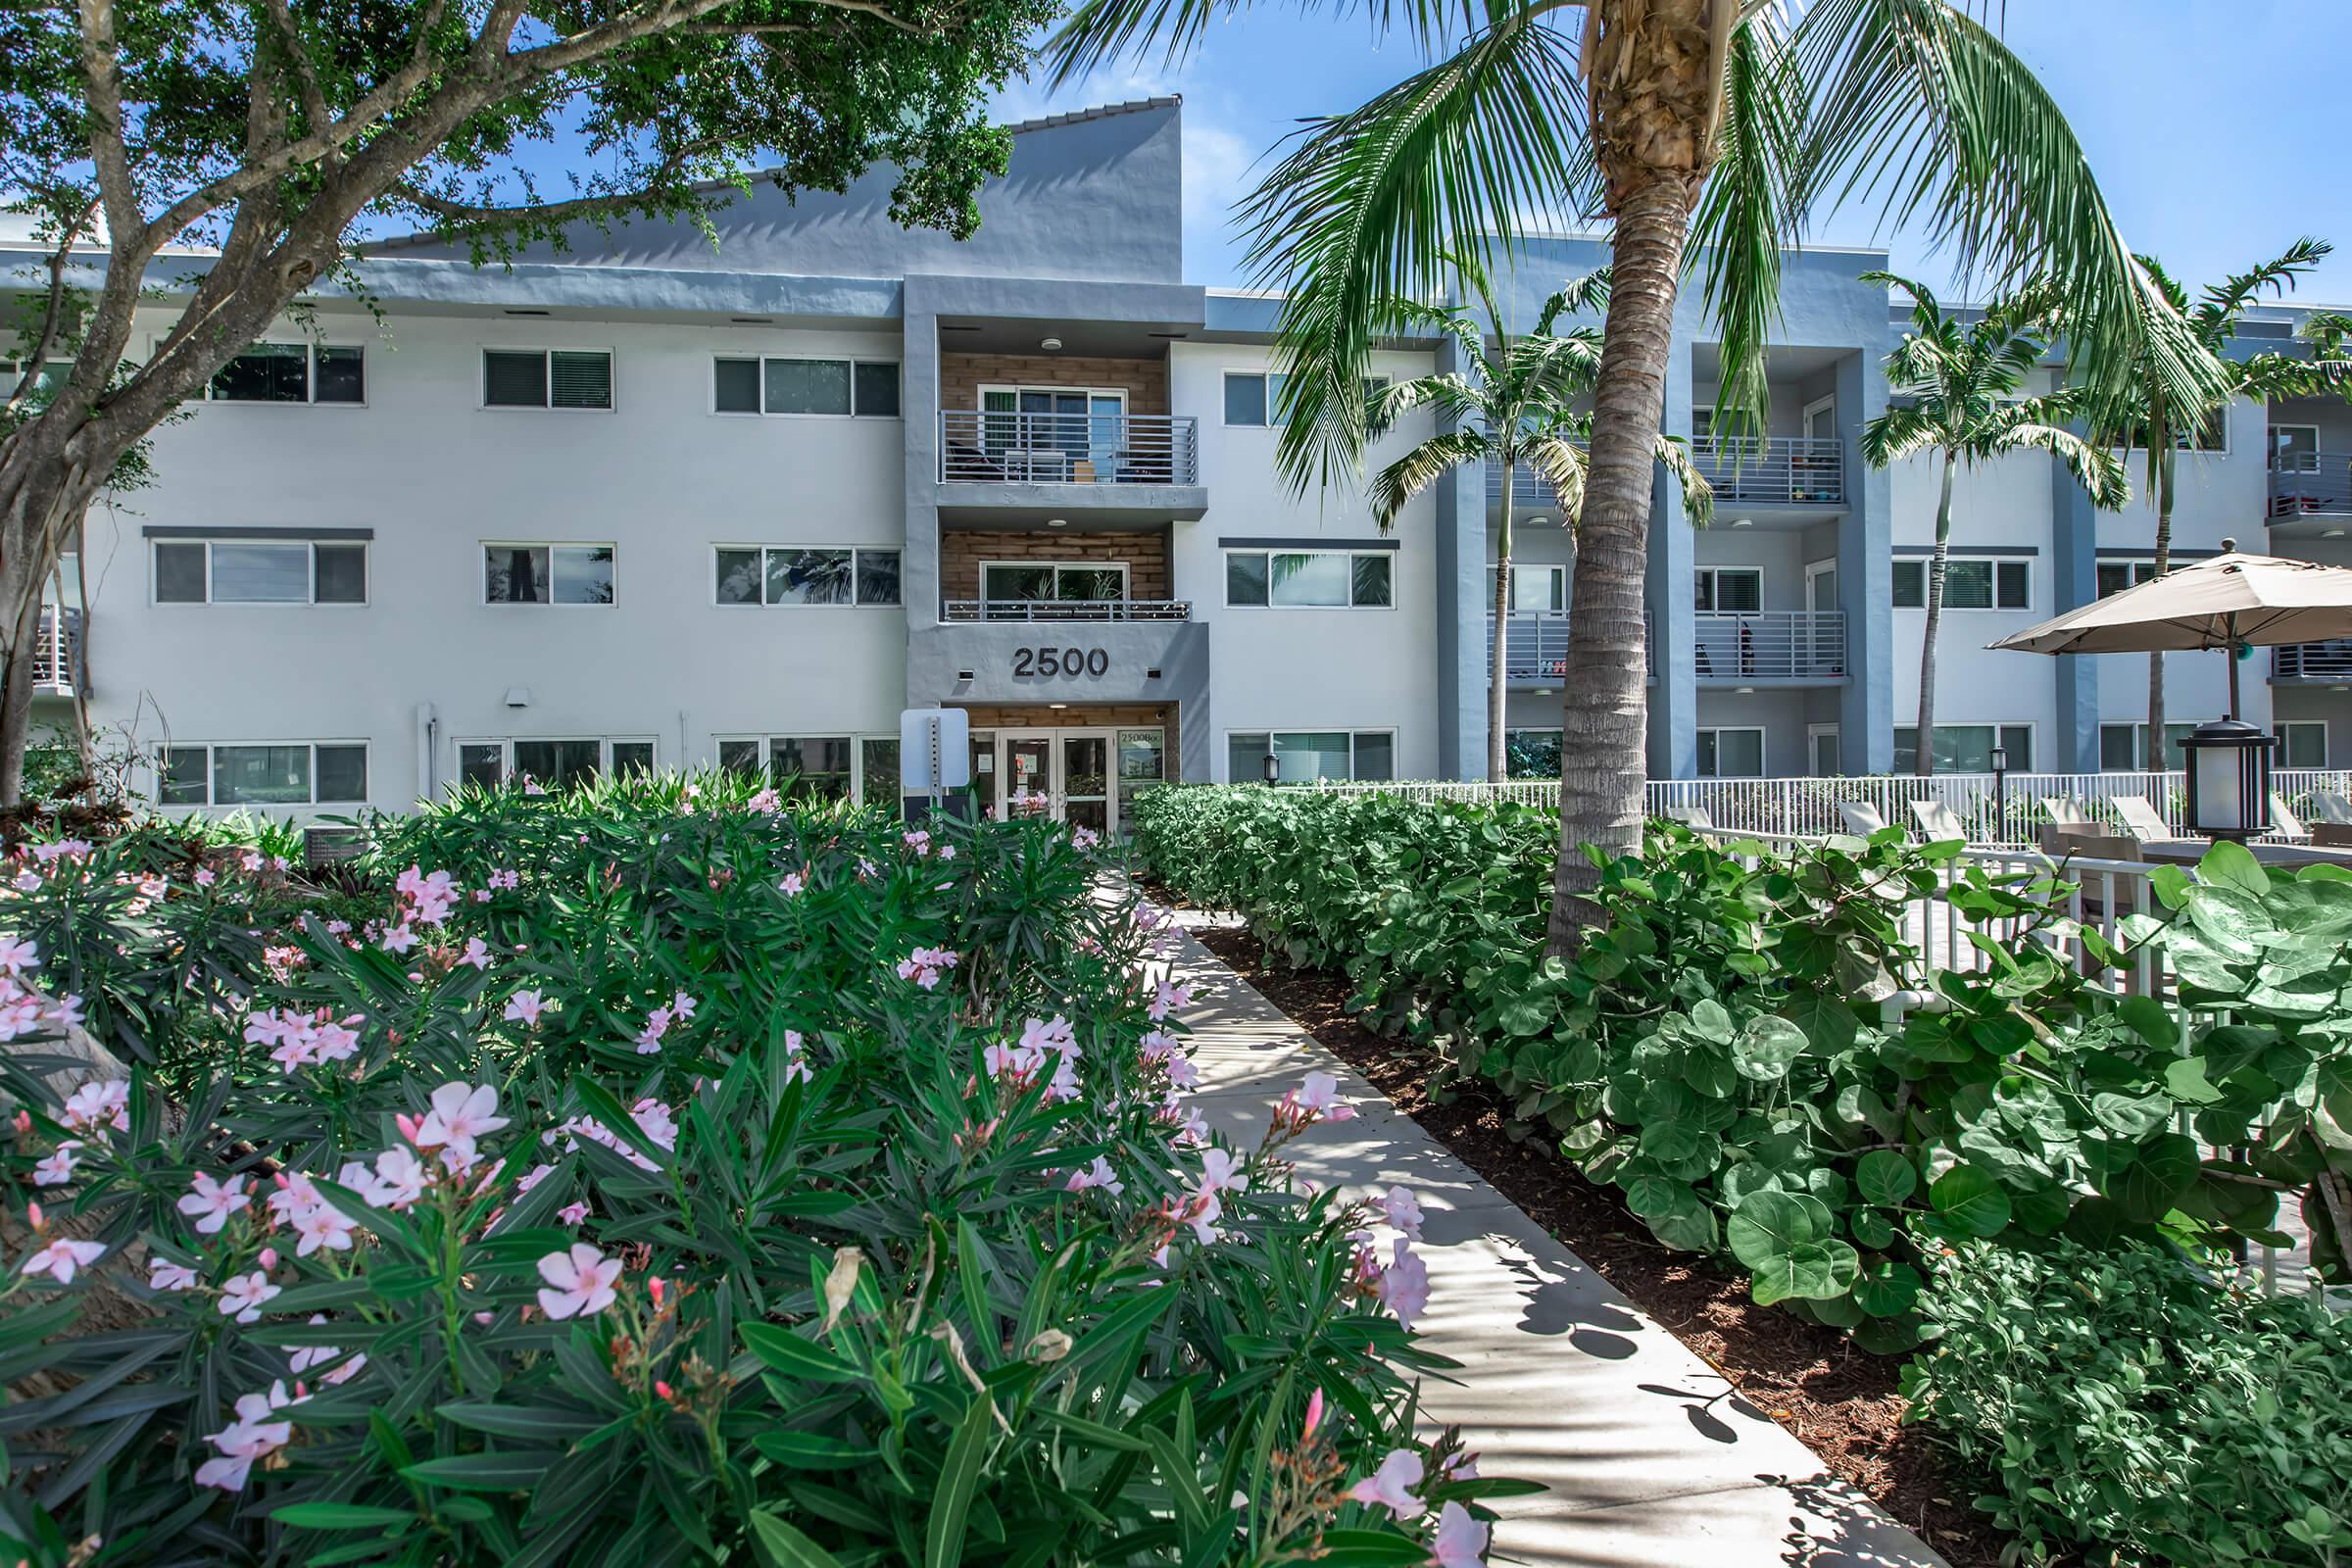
column 1273, row 764
column 2000, row 793
column 2228, row 765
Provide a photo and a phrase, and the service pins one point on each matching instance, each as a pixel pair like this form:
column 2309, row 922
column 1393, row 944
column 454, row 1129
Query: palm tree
column 1516, row 405
column 2147, row 411
column 1717, row 121
column 1958, row 390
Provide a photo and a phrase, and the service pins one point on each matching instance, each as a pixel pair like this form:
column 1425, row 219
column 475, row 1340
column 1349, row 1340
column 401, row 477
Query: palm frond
column 1406, row 478
column 1561, row 462
column 1698, row 496
column 2222, row 302
column 1750, row 212
column 1903, row 430
column 2095, row 466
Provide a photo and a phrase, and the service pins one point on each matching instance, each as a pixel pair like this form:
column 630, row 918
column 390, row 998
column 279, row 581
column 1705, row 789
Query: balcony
column 1110, row 470
column 57, row 653
column 1066, row 610
column 1776, row 472
column 2329, row 662
column 1530, row 490
column 1771, row 646
column 2310, row 484
column 1537, row 652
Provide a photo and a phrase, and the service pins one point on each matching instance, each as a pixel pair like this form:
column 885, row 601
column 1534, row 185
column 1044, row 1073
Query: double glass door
column 1060, row 773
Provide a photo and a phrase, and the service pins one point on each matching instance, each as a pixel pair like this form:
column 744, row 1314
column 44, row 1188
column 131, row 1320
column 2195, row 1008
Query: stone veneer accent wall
column 1015, row 715
column 962, row 550
column 961, row 375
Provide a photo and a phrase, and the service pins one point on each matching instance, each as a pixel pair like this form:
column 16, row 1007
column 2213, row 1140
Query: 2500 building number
column 1053, row 663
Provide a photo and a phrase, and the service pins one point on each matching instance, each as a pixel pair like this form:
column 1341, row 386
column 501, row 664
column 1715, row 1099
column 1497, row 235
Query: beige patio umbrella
column 2222, row 602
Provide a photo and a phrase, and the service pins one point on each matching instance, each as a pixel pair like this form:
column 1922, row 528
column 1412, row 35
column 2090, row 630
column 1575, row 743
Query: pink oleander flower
column 477, row 952
column 62, row 1258
column 681, row 1008
column 66, row 1013
column 573, row 1213
column 917, row 840
column 211, row 1203
column 17, row 956
column 581, row 1281
column 1461, row 1465
column 1201, row 1212
column 1461, row 1540
column 1084, row 838
column 793, row 885
column 244, row 1295
column 524, row 1007
column 1167, row 998
column 1219, row 1172
column 1316, row 1100
column 768, row 801
column 20, row 1014
column 926, row 966
column 654, row 1120
column 1314, row 1416
column 399, row 938
column 1098, row 1174
column 1391, row 1485
column 794, row 1066
column 165, row 1275
column 400, row 1178
column 205, row 876
column 1403, row 1212
column 656, row 1024
column 252, row 1436
column 1404, row 1287
column 1182, row 1073
column 1158, row 1046
column 303, row 1357
column 461, row 1112
column 26, row 882
column 323, row 1225
column 58, row 1168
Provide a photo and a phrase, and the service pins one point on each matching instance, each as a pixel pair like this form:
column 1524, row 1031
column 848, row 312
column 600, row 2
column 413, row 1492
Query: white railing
column 2311, row 484
column 1067, row 610
column 1777, row 470
column 2327, row 661
column 992, row 447
column 1770, row 645
column 56, row 650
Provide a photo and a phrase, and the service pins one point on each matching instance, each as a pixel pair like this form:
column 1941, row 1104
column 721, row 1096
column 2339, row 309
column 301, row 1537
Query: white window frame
column 2271, row 457
column 1269, row 731
column 2133, row 565
column 550, row 545
column 310, row 377
column 1763, row 751
column 2139, row 742
column 1804, row 423
column 1992, row 566
column 1270, row 422
column 2278, row 729
column 1711, row 575
column 1815, row 734
column 763, row 412
column 312, row 601
column 859, row 784
column 2187, row 441
column 1225, row 584
column 1559, row 582
column 1702, row 430
column 207, row 804
column 1125, row 570
column 505, row 753
column 855, row 603
column 1997, row 725
column 1089, row 393
column 547, row 372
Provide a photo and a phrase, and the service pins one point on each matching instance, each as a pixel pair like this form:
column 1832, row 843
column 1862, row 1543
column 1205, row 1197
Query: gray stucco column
column 2075, row 579
column 1866, row 706
column 1673, row 564
column 918, row 394
column 1461, row 538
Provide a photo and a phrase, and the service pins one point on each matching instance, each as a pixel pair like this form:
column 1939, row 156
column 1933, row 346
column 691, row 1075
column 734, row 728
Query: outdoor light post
column 1273, row 763
column 2000, row 793
column 2228, row 768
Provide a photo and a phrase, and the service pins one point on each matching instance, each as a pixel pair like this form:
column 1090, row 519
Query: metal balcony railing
column 1777, row 470
column 991, row 448
column 1528, row 487
column 1538, row 649
column 1067, row 610
column 56, row 650
column 2311, row 484
column 2328, row 661
column 1770, row 645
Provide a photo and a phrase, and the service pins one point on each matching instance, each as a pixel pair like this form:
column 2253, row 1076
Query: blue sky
column 2214, row 127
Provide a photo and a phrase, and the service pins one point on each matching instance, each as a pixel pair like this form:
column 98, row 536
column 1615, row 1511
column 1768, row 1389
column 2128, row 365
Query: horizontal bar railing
column 2310, row 484
column 963, row 610
column 1528, row 487
column 1770, row 645
column 1783, row 470
column 57, row 650
column 1538, row 645
column 981, row 447
column 2327, row 661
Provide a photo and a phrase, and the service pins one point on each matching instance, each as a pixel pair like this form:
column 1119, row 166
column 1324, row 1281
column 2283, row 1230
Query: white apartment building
column 649, row 501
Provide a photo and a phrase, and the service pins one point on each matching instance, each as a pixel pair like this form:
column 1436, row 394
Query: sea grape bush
column 1719, row 1049
column 2126, row 1409
column 666, row 1173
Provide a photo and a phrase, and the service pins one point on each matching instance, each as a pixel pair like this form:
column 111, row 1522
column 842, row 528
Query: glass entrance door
column 1086, row 779
column 1025, row 777
column 1063, row 774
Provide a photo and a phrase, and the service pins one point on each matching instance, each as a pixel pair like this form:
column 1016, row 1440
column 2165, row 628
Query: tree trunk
column 1498, row 763
column 1604, row 707
column 44, row 490
column 1923, row 750
column 2158, row 753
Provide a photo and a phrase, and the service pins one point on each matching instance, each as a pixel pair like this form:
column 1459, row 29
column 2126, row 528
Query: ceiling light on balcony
column 2332, row 533
column 1742, row 691
column 1057, row 523
column 1744, row 522
column 1535, row 522
column 1051, row 345
column 1058, row 705
column 1542, row 691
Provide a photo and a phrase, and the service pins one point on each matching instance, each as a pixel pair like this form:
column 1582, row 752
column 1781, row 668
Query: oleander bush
column 2125, row 1409
column 1721, row 1049
column 665, row 1173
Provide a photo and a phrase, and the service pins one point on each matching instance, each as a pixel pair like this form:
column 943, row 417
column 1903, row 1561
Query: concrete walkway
column 1648, row 1455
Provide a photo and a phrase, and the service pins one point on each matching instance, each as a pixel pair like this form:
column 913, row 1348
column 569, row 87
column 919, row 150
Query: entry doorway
column 1063, row 774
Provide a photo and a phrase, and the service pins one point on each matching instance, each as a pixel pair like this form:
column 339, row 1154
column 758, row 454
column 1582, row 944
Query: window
column 1967, row 748
column 1731, row 753
column 1531, row 753
column 1969, row 582
column 277, row 773
column 1910, row 588
column 1541, row 588
column 1366, row 756
column 51, row 376
column 1737, row 589
column 2211, row 435
column 1329, row 579
column 1254, row 397
column 253, row 571
column 818, row 767
column 833, row 574
column 1142, row 765
column 547, row 575
column 2114, row 576
column 552, row 763
column 865, row 388
column 2302, row 742
column 292, row 372
column 547, row 378
column 1017, row 582
column 2123, row 748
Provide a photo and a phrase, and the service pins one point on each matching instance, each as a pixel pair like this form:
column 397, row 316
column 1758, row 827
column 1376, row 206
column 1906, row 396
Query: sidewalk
column 1649, row 1459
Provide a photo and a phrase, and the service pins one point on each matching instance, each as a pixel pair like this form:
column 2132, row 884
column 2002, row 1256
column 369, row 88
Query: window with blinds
column 547, row 378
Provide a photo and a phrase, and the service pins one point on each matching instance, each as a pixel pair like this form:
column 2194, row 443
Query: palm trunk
column 1604, row 707
column 2158, row 754
column 1498, row 763
column 1923, row 750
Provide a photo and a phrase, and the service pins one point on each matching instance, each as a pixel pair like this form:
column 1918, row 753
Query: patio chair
column 1696, row 818
column 1860, row 817
column 2286, row 823
column 2069, row 812
column 2331, row 808
column 2142, row 821
column 1937, row 822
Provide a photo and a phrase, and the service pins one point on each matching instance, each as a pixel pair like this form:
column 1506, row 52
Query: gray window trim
column 177, row 531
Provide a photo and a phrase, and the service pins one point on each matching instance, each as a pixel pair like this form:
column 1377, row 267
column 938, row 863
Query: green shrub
column 2128, row 1409
column 662, row 1174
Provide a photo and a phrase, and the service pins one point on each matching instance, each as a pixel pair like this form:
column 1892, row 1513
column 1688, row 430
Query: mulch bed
column 1839, row 1400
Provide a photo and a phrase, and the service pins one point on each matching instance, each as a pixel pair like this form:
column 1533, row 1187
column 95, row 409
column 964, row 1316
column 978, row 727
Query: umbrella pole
column 2231, row 653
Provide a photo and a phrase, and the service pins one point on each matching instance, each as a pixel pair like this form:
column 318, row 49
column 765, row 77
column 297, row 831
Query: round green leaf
column 1970, row 1200
column 1767, row 1226
column 1886, row 1178
column 1889, row 1290
column 2161, row 1173
column 1768, row 1048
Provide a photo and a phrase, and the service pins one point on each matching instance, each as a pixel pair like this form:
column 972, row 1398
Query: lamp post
column 1273, row 763
column 2000, row 794
column 2228, row 766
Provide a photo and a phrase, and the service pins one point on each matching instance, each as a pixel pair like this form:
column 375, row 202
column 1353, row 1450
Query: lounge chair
column 1860, row 817
column 1937, row 822
column 2286, row 823
column 2069, row 819
column 1695, row 817
column 2331, row 808
column 2142, row 821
